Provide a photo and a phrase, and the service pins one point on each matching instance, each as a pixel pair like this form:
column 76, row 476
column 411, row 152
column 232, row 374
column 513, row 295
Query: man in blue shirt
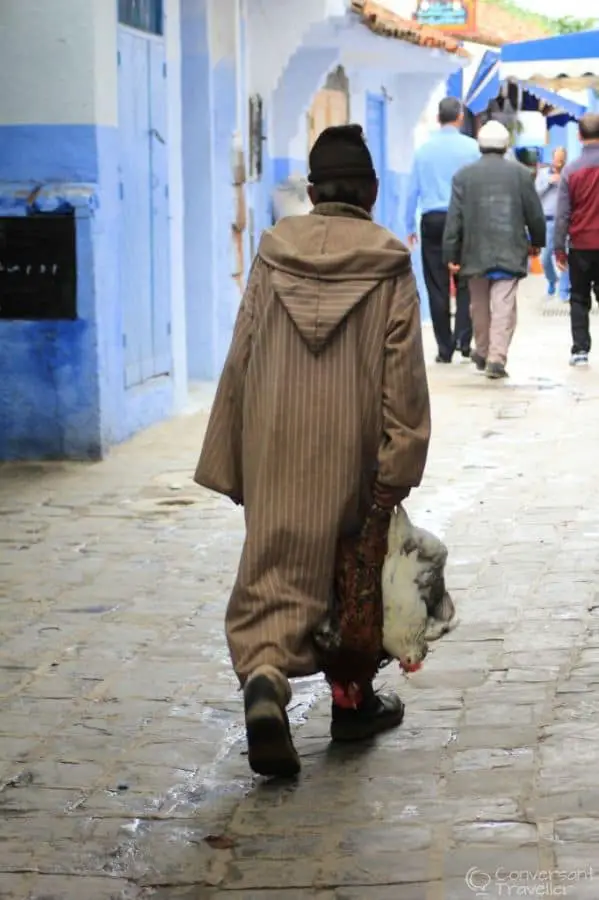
column 435, row 163
column 547, row 184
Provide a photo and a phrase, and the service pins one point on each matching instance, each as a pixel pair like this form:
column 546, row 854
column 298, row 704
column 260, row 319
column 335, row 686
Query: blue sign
column 452, row 15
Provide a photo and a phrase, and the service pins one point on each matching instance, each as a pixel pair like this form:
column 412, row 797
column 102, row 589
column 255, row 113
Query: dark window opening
column 145, row 15
column 38, row 267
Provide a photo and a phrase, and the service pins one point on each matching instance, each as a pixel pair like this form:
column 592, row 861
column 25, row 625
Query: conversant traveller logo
column 504, row 882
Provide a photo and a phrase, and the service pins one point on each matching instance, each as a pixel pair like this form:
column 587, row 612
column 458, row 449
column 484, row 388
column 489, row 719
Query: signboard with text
column 447, row 15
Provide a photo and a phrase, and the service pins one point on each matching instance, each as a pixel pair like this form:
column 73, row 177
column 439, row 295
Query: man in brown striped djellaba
column 322, row 409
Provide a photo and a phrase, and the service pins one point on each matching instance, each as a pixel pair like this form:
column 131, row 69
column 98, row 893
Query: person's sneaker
column 495, row 371
column 551, row 288
column 442, row 359
column 466, row 352
column 579, row 359
column 270, row 748
column 564, row 298
column 375, row 714
column 479, row 361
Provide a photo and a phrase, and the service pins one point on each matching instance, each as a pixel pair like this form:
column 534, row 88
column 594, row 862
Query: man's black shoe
column 270, row 748
column 479, row 361
column 377, row 713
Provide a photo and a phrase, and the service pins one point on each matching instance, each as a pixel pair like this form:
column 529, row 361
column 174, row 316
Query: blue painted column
column 196, row 80
column 223, row 53
column 209, row 86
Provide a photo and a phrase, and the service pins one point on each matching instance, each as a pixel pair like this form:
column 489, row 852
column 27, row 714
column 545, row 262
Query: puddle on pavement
column 535, row 383
column 215, row 789
column 157, row 506
column 91, row 610
column 454, row 498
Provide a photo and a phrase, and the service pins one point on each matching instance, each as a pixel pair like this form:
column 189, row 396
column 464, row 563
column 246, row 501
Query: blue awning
column 566, row 60
column 579, row 45
column 485, row 84
column 560, row 103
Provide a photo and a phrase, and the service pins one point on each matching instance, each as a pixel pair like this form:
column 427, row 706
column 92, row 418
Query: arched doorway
column 330, row 105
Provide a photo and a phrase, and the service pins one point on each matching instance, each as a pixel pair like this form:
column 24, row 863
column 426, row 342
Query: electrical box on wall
column 38, row 267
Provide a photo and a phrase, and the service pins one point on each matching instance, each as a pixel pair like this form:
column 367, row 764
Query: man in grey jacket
column 547, row 185
column 495, row 219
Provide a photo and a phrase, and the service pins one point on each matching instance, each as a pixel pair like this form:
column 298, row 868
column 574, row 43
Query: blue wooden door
column 144, row 235
column 376, row 133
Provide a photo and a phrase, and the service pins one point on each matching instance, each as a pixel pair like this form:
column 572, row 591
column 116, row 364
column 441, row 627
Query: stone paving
column 122, row 766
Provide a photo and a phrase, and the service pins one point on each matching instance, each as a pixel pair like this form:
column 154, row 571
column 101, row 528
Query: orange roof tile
column 382, row 21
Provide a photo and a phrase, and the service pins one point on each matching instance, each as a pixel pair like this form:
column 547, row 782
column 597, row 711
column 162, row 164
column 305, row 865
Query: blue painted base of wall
column 48, row 391
column 62, row 389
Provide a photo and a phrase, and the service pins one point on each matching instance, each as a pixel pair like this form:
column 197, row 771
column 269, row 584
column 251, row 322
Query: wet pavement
column 122, row 762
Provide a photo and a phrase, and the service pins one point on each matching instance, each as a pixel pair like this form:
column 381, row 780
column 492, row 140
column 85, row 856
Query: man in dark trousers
column 495, row 219
column 577, row 217
column 435, row 163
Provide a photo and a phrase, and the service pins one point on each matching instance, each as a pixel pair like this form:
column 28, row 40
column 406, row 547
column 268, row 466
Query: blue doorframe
column 376, row 133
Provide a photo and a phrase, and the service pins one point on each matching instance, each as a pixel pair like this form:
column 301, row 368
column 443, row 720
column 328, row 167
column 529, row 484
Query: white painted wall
column 275, row 29
column 222, row 31
column 428, row 121
column 58, row 63
column 176, row 203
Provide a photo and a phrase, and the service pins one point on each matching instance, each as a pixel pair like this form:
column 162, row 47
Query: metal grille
column 38, row 269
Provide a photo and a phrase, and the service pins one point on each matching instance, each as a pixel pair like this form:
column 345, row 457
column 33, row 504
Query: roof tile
column 386, row 23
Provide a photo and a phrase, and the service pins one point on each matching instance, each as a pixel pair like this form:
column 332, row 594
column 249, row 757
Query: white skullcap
column 493, row 136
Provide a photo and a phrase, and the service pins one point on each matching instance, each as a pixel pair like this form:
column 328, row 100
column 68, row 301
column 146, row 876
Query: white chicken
column 416, row 605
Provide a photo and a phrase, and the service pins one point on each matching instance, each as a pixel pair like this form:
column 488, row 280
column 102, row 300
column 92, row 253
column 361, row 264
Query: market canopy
column 486, row 83
column 566, row 61
column 490, row 75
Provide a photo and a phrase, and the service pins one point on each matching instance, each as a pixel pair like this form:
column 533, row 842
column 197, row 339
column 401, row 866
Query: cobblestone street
column 122, row 766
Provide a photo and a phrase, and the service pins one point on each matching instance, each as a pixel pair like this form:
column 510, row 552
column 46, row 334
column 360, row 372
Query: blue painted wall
column 62, row 389
column 36, row 153
column 49, row 373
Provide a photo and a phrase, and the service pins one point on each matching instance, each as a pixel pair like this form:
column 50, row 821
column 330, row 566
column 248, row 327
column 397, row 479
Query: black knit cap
column 340, row 152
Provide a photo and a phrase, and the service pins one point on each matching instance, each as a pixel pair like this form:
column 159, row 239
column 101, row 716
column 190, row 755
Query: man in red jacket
column 577, row 218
